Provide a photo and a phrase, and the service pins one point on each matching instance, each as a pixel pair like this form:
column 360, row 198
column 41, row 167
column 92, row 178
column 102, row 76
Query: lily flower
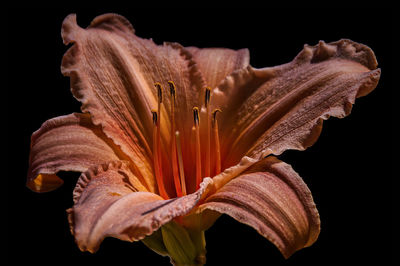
column 171, row 137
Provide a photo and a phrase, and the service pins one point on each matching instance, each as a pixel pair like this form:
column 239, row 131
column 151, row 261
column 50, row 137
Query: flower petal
column 273, row 199
column 113, row 73
column 109, row 203
column 67, row 143
column 200, row 221
column 217, row 63
column 228, row 174
column 283, row 107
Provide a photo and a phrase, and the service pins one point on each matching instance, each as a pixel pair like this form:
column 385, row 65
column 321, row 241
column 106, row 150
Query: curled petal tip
column 68, row 29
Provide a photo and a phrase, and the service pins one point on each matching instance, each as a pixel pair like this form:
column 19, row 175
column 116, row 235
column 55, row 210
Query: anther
column 214, row 116
column 159, row 91
column 154, row 112
column 196, row 117
column 207, row 96
column 172, row 88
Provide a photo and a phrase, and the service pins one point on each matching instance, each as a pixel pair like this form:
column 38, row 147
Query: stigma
column 205, row 155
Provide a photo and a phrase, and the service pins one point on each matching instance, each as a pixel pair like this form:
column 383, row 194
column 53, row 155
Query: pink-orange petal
column 113, row 73
column 274, row 200
column 67, row 143
column 217, row 63
column 108, row 203
column 283, row 107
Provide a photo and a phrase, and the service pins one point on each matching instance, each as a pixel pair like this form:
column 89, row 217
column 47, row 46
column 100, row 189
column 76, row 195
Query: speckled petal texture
column 109, row 202
column 273, row 199
column 283, row 107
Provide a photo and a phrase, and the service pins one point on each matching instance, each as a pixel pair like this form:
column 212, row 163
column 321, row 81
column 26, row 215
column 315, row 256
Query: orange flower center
column 177, row 165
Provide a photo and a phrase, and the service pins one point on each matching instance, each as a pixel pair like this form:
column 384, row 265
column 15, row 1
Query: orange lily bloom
column 171, row 137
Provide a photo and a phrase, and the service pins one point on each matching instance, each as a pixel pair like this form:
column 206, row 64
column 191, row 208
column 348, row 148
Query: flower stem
column 199, row 242
column 184, row 246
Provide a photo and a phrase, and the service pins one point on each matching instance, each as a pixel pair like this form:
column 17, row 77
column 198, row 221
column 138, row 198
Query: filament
column 196, row 128
column 180, row 162
column 156, row 152
column 216, row 141
column 175, row 169
column 211, row 145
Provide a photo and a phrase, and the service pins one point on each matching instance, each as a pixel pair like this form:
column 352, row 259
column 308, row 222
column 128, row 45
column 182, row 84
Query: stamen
column 159, row 99
column 159, row 96
column 180, row 162
column 156, row 157
column 208, row 135
column 216, row 140
column 175, row 167
column 197, row 145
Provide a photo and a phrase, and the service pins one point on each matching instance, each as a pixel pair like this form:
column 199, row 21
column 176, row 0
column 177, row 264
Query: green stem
column 199, row 241
column 155, row 243
column 185, row 247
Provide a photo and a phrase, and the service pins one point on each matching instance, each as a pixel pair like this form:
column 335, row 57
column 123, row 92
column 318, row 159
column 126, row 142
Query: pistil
column 196, row 128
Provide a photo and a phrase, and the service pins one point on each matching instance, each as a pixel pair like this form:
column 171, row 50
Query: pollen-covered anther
column 196, row 117
column 154, row 114
column 214, row 117
column 159, row 91
column 172, row 88
column 207, row 96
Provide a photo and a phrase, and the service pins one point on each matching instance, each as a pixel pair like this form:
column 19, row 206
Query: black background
column 349, row 169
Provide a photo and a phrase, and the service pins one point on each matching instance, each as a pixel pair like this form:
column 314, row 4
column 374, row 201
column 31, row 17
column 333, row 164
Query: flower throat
column 175, row 148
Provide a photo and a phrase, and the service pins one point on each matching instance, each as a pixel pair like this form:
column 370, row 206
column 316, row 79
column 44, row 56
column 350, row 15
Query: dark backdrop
column 348, row 170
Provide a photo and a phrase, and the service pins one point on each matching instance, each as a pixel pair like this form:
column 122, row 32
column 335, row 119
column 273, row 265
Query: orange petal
column 283, row 107
column 113, row 73
column 272, row 198
column 67, row 143
column 108, row 203
column 217, row 63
